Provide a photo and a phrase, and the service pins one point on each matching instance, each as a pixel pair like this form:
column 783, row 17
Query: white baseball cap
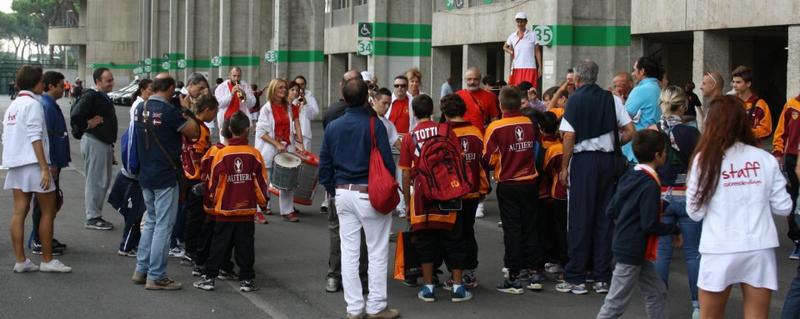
column 367, row 75
column 521, row 16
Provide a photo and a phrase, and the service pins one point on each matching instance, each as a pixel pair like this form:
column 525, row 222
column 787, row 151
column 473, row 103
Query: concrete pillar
column 355, row 61
column 174, row 12
column 474, row 56
column 711, row 53
column 190, row 10
column 439, row 71
column 224, row 35
column 154, row 32
column 82, row 67
column 337, row 66
column 280, row 36
column 793, row 63
column 254, row 7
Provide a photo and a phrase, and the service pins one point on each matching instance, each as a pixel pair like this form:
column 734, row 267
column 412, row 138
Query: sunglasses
column 397, row 86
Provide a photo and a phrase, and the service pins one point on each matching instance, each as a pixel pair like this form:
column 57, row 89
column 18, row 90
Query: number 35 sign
column 544, row 34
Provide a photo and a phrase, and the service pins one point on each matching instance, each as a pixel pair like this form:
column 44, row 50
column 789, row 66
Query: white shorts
column 27, row 179
column 756, row 268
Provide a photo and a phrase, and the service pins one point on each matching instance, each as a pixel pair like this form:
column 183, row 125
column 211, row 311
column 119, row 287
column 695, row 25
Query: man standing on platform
column 233, row 95
column 526, row 53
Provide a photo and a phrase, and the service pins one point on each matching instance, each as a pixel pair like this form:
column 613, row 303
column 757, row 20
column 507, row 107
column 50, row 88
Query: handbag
column 383, row 190
column 406, row 260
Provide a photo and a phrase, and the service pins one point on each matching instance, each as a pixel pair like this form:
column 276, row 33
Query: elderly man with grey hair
column 592, row 118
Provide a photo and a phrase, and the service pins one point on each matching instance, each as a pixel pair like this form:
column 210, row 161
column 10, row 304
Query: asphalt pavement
column 291, row 263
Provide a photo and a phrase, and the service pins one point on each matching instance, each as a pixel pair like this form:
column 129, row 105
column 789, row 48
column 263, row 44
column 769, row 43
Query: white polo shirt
column 524, row 50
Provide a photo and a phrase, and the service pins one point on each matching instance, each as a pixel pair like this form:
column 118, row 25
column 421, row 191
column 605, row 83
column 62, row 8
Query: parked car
column 116, row 96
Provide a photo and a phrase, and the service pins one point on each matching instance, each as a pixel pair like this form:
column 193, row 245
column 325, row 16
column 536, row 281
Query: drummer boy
column 237, row 186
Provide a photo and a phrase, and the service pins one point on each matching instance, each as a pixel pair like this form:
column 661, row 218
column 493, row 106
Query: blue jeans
column 791, row 307
column 162, row 209
column 690, row 230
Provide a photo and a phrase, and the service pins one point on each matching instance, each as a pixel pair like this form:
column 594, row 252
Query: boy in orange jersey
column 192, row 152
column 756, row 108
column 470, row 138
column 509, row 150
column 207, row 229
column 237, row 186
column 556, row 220
column 784, row 147
column 437, row 232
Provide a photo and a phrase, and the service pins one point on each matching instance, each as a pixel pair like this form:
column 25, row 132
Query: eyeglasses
column 397, row 86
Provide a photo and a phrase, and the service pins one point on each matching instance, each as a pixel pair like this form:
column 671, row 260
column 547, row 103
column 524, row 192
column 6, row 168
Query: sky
column 5, row 6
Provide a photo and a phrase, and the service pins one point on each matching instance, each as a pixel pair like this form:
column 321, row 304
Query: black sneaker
column 36, row 249
column 58, row 245
column 205, row 283
column 197, row 271
column 248, row 285
column 509, row 286
column 99, row 224
column 535, row 280
column 227, row 275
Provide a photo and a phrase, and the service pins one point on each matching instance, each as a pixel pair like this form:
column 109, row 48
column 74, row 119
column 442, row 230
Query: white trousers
column 286, row 202
column 355, row 213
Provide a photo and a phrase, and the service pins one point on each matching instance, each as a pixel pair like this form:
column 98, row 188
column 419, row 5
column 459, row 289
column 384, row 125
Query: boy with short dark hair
column 636, row 209
column 509, row 151
column 237, row 187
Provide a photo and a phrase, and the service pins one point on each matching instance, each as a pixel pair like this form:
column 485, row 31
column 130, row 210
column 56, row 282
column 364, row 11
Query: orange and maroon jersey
column 238, row 182
column 552, row 168
column 399, row 115
column 481, row 107
column 761, row 118
column 787, row 133
column 192, row 153
column 424, row 215
column 509, row 149
column 205, row 175
column 471, row 141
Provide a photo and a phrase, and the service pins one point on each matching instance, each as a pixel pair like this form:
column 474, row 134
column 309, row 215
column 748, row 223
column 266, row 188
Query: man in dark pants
column 593, row 115
column 59, row 150
column 333, row 281
column 787, row 132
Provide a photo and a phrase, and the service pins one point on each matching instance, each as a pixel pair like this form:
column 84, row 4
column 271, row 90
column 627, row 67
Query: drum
column 307, row 180
column 285, row 170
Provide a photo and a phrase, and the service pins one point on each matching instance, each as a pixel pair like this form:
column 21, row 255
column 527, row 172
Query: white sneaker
column 177, row 252
column 401, row 213
column 54, row 266
column 26, row 266
column 479, row 211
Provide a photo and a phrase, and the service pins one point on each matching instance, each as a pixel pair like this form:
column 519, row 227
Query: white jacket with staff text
column 738, row 218
column 23, row 124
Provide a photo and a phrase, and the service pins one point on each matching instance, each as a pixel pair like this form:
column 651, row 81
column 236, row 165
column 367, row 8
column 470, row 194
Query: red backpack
column 441, row 173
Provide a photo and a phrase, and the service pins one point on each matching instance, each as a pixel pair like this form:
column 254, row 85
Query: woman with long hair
column 26, row 154
column 733, row 187
column 682, row 142
column 276, row 122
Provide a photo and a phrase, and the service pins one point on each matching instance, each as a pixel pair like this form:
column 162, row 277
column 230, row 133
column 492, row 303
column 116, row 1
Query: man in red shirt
column 400, row 113
column 481, row 104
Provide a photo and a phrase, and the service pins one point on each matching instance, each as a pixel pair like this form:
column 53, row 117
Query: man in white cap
column 526, row 53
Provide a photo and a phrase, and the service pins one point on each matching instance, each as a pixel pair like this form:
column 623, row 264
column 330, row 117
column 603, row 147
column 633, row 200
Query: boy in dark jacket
column 635, row 210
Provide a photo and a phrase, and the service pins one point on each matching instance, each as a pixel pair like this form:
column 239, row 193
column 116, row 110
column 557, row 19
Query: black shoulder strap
column 148, row 129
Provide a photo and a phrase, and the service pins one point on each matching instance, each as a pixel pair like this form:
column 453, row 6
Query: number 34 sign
column 544, row 34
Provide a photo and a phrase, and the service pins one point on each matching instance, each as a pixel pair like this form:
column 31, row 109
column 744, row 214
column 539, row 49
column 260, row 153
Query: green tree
column 34, row 17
